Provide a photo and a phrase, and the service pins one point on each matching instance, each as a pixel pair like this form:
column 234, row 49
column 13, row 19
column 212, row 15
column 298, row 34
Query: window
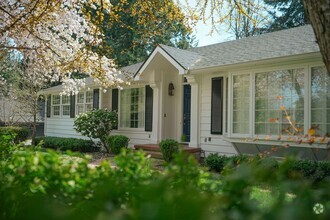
column 280, row 96
column 241, row 103
column 320, row 101
column 56, row 105
column 66, row 105
column 132, row 108
column 60, row 105
column 84, row 102
column 287, row 84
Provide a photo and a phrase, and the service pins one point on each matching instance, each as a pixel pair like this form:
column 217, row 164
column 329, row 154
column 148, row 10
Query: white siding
column 211, row 143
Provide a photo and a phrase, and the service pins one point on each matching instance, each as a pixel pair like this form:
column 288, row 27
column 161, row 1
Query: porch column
column 155, row 135
column 194, row 119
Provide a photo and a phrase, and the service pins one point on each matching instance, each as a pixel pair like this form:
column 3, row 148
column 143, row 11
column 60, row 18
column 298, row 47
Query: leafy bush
column 168, row 148
column 216, row 162
column 18, row 134
column 96, row 124
column 63, row 144
column 30, row 175
column 314, row 171
column 117, row 142
column 35, row 185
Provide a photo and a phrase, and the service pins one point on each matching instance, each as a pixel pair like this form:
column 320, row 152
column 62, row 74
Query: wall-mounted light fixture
column 171, row 89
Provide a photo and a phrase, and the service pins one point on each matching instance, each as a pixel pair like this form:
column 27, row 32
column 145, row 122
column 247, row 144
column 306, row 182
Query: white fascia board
column 166, row 56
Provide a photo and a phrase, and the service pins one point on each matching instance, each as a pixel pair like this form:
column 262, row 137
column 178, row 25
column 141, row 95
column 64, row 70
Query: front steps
column 154, row 150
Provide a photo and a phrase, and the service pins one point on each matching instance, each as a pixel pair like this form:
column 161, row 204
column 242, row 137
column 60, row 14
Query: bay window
column 281, row 100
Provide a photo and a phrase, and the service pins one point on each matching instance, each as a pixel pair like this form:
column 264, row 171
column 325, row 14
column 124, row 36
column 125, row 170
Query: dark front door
column 186, row 112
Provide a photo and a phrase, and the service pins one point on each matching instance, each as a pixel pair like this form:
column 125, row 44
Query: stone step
column 147, row 147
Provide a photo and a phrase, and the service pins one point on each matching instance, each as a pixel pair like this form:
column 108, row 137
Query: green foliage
column 286, row 14
column 96, row 124
column 18, row 134
column 117, row 142
column 64, row 144
column 314, row 171
column 168, row 148
column 217, row 162
column 29, row 175
column 134, row 28
column 290, row 168
column 36, row 185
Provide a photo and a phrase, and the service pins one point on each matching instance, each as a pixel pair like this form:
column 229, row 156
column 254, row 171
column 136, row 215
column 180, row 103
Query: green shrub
column 168, row 148
column 216, row 162
column 117, row 142
column 97, row 123
column 18, row 134
column 63, row 144
column 315, row 171
column 290, row 168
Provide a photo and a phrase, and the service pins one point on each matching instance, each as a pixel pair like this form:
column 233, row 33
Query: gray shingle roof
column 295, row 41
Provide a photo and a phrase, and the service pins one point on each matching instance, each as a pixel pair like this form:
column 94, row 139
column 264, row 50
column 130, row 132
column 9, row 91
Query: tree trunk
column 319, row 15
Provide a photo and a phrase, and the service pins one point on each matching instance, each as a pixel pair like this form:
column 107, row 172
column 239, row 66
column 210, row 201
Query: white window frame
column 307, row 68
column 120, row 127
column 60, row 106
column 84, row 103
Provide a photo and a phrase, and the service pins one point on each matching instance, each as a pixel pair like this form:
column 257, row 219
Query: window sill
column 281, row 148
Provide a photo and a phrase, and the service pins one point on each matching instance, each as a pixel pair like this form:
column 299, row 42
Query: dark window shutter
column 148, row 108
column 49, row 104
column 96, row 98
column 72, row 106
column 216, row 106
column 115, row 104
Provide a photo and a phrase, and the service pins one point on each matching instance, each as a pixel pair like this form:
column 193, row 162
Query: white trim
column 307, row 97
column 120, row 128
column 166, row 56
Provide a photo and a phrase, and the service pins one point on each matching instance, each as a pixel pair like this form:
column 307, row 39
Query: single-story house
column 232, row 97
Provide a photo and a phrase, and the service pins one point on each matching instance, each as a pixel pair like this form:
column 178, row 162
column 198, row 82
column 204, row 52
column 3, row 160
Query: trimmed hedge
column 117, row 142
column 18, row 134
column 314, row 171
column 63, row 144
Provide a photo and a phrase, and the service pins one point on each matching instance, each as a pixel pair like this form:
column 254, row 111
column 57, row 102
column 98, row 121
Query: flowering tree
column 56, row 38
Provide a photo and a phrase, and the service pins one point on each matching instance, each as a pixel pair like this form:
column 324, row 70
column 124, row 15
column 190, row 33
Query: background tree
column 286, row 14
column 20, row 91
column 221, row 11
column 250, row 24
column 133, row 28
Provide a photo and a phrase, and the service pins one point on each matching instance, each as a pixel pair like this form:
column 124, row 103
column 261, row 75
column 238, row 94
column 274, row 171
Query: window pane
column 89, row 97
column 268, row 86
column 56, row 99
column 320, row 99
column 66, row 110
column 241, row 104
column 80, row 108
column 80, row 97
column 56, row 110
column 89, row 107
column 65, row 100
